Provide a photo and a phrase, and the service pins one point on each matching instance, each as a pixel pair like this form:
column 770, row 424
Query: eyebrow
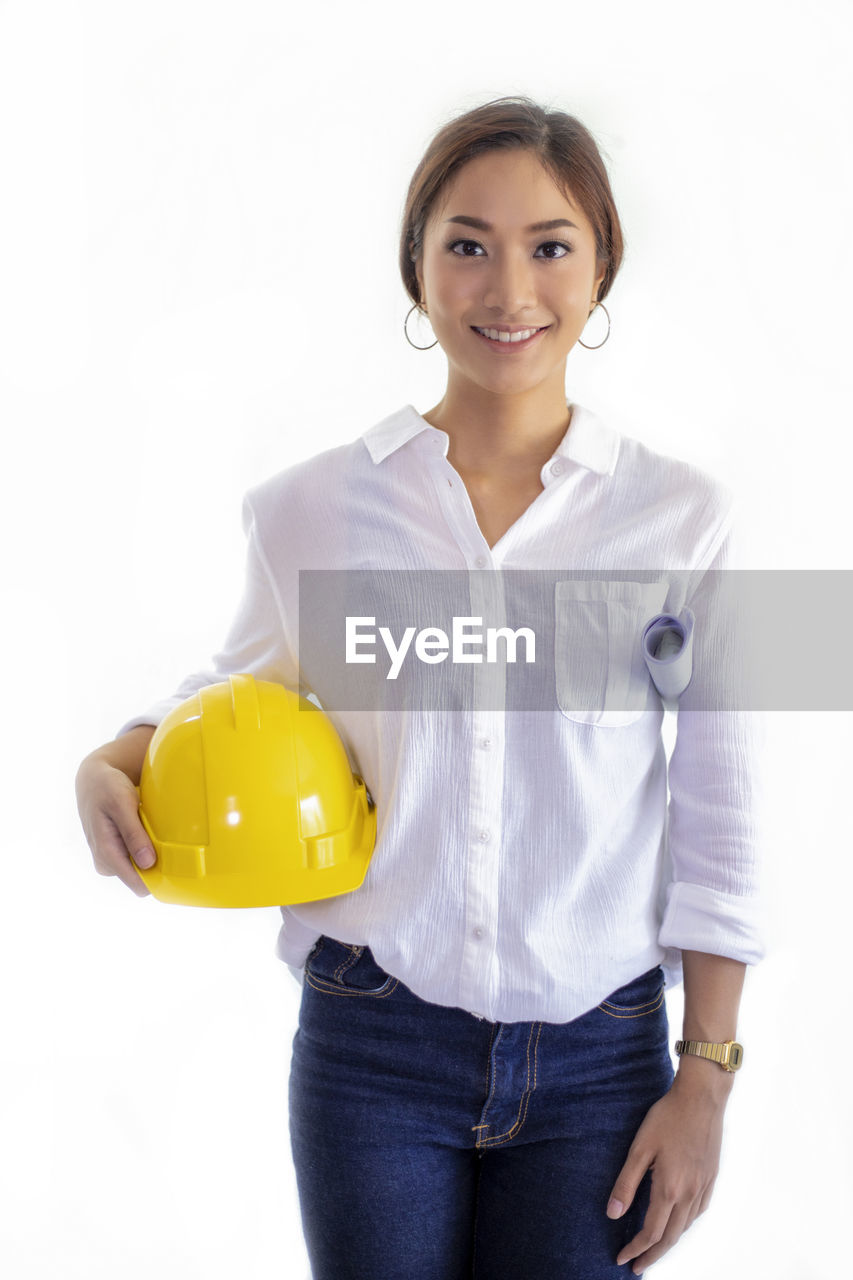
column 481, row 225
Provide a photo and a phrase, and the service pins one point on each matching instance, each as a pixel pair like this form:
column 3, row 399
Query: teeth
column 498, row 335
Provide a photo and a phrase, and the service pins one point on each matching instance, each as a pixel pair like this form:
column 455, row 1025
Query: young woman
column 481, row 1080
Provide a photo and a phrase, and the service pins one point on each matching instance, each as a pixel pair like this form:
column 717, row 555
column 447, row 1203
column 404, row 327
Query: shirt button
column 478, row 932
column 484, row 836
column 485, row 743
column 556, row 468
column 480, row 562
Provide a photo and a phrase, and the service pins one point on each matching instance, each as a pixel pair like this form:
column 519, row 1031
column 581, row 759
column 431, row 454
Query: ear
column 598, row 279
column 420, row 276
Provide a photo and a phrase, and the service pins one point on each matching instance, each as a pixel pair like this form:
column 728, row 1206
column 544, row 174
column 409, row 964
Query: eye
column 453, row 244
column 473, row 249
column 556, row 244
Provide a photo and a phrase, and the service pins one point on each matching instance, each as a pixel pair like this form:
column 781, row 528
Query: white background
column 198, row 286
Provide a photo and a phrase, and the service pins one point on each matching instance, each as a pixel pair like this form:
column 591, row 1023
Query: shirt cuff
column 722, row 924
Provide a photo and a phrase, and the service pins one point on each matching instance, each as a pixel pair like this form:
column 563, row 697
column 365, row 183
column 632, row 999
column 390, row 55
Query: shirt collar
column 588, row 440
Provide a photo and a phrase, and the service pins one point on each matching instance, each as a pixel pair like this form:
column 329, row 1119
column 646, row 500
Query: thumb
column 625, row 1186
column 125, row 815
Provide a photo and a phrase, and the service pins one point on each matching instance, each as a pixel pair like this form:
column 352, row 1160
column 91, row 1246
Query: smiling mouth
column 508, row 338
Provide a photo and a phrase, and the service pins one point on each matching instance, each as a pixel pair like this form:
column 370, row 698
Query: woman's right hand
column 108, row 804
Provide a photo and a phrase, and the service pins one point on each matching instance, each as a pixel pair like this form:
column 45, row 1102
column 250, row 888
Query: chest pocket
column 600, row 671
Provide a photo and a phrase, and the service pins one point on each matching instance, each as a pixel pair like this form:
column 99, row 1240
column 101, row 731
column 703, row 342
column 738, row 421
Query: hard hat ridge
column 249, row 799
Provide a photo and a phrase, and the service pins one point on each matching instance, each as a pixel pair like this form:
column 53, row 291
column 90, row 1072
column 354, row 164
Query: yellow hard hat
column 249, row 800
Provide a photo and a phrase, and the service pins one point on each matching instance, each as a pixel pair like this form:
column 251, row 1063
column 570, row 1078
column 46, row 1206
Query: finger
column 112, row 856
column 672, row 1232
column 125, row 814
column 693, row 1213
column 625, row 1187
column 655, row 1223
column 705, row 1198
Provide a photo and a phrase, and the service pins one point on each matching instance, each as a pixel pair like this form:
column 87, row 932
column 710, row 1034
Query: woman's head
column 510, row 236
column 561, row 144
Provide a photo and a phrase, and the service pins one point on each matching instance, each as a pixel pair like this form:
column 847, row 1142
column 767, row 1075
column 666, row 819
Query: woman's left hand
column 679, row 1140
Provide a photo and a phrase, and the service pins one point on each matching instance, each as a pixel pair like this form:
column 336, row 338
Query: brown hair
column 565, row 147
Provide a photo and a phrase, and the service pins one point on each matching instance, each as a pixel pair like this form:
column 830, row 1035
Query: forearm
column 126, row 752
column 681, row 1135
column 712, row 990
column 713, row 986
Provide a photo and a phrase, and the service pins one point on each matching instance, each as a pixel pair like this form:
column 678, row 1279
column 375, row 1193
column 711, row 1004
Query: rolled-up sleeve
column 257, row 642
column 714, row 821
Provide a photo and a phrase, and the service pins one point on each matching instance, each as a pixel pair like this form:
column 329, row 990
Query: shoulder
column 682, row 482
column 690, row 507
column 639, row 475
column 309, row 485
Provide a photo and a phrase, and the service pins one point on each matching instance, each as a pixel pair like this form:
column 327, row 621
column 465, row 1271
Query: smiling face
column 490, row 263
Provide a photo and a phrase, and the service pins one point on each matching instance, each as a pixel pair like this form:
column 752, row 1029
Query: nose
column 510, row 287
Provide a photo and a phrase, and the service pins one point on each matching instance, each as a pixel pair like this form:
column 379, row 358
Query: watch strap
column 728, row 1053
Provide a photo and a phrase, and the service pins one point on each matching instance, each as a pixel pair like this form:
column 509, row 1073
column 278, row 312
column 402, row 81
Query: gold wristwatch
column 729, row 1054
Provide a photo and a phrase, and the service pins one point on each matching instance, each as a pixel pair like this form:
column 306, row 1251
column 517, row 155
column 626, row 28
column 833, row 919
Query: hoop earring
column 415, row 307
column 607, row 334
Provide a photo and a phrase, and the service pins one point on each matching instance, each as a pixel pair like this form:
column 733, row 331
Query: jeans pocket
column 346, row 969
column 638, row 998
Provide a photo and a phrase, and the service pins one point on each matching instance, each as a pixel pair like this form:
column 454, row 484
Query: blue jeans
column 430, row 1144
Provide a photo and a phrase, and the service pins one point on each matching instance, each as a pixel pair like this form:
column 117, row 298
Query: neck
column 492, row 433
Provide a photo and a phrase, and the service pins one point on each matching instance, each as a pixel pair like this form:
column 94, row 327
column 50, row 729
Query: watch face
column 735, row 1055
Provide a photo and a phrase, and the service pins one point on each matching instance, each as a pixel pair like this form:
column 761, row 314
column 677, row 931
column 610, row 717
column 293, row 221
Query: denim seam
column 491, row 1076
column 348, row 961
column 489, row 1086
column 327, row 984
column 499, row 1139
column 321, row 984
column 624, row 1010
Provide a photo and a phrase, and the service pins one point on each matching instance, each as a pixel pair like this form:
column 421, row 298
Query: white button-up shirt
column 527, row 862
